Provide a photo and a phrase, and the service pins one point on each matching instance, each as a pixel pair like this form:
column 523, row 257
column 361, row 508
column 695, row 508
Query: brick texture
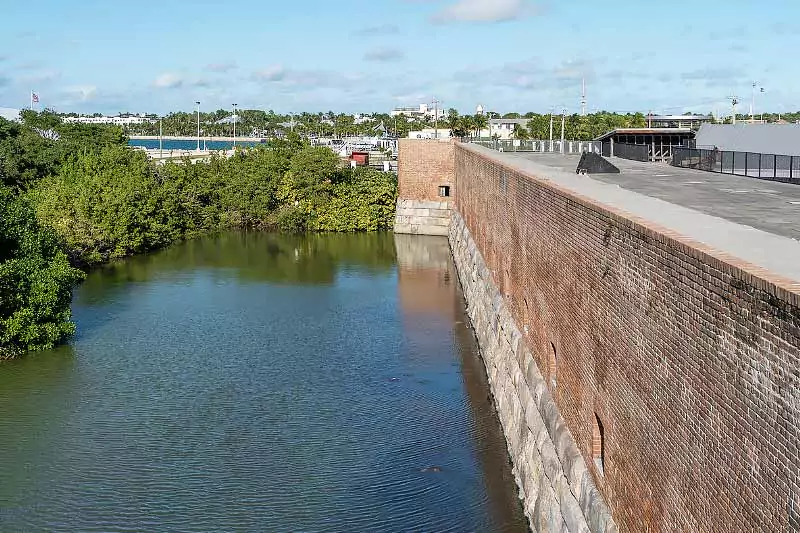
column 422, row 166
column 689, row 359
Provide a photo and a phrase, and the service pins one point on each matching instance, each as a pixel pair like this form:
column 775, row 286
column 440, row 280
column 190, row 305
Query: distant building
column 648, row 144
column 779, row 139
column 503, row 128
column 678, row 121
column 430, row 133
column 9, row 113
column 423, row 112
column 120, row 120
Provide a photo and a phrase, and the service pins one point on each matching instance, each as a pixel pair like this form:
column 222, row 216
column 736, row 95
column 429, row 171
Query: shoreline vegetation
column 76, row 196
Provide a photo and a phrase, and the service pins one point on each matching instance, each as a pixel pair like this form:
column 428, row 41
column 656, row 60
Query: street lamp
column 198, row 125
column 160, row 140
column 234, row 126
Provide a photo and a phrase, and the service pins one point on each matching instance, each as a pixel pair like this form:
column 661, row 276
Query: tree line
column 74, row 196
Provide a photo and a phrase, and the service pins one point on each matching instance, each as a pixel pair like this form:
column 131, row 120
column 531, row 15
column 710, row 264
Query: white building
column 121, row 120
column 430, row 133
column 503, row 128
column 423, row 111
column 9, row 113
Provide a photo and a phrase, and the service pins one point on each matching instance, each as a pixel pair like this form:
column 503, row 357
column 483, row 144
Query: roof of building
column 521, row 121
column 644, row 131
column 781, row 139
column 680, row 117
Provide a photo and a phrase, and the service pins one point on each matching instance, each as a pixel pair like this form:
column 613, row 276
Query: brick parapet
column 687, row 355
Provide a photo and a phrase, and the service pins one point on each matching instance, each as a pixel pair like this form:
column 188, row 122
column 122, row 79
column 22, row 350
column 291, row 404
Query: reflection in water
column 430, row 292
column 257, row 382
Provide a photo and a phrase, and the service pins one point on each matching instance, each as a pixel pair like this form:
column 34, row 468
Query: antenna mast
column 583, row 96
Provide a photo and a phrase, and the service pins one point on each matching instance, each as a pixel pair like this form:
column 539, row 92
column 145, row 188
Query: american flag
column 34, row 98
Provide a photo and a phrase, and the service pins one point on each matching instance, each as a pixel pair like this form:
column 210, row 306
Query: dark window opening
column 598, row 444
column 444, row 190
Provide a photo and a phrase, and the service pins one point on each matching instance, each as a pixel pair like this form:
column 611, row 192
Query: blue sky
column 371, row 55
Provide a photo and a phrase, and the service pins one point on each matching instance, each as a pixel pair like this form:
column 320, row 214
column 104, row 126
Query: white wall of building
column 9, row 113
column 430, row 133
column 423, row 111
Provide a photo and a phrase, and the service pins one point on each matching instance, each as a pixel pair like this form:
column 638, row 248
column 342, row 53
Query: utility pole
column 563, row 120
column 551, row 128
column 583, row 97
column 160, row 140
column 435, row 118
column 234, row 127
column 198, row 125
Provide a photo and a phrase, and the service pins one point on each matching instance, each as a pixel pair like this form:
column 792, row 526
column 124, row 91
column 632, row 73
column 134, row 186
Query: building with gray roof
column 781, row 139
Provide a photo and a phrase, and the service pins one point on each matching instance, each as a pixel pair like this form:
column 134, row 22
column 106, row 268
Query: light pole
column 160, row 140
column 198, row 125
column 552, row 109
column 234, row 126
column 435, row 118
column 563, row 119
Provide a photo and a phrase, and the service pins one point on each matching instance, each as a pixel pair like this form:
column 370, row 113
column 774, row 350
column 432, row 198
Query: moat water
column 260, row 382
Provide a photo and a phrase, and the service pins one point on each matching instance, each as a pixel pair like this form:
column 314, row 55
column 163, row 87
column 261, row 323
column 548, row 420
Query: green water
column 260, row 382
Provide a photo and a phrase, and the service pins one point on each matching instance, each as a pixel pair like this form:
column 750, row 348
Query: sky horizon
column 358, row 56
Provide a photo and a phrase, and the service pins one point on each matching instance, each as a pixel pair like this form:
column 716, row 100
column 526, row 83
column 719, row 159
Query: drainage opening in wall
column 598, row 444
column 553, row 365
column 444, row 190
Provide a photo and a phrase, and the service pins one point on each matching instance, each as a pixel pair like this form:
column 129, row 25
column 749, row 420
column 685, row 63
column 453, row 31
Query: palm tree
column 520, row 132
column 480, row 122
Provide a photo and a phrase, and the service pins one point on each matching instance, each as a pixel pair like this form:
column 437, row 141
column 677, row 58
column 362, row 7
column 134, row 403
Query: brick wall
column 422, row 166
column 688, row 359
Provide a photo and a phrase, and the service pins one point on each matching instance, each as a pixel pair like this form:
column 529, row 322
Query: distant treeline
column 73, row 196
column 267, row 123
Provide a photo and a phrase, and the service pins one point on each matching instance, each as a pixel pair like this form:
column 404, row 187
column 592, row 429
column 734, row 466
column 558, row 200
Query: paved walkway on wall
column 755, row 220
column 766, row 205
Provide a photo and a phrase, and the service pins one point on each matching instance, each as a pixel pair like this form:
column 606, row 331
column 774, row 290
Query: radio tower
column 583, row 96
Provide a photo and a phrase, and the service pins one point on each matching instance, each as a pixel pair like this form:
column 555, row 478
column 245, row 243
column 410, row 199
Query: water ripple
column 210, row 401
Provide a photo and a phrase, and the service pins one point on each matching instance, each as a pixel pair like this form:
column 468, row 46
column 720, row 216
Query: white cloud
column 168, row 80
column 485, row 11
column 384, row 55
column 82, row 93
column 377, row 30
column 42, row 76
column 273, row 73
column 221, row 67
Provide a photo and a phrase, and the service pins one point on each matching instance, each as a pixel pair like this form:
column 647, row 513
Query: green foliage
column 35, row 281
column 85, row 198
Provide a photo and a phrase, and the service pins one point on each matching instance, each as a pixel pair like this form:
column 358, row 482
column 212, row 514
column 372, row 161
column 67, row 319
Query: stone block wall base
column 555, row 486
column 420, row 217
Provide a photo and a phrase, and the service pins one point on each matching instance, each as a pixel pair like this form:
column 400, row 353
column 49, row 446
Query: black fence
column 784, row 168
column 635, row 152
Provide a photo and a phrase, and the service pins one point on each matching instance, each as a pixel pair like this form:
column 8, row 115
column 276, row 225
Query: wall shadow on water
column 428, row 287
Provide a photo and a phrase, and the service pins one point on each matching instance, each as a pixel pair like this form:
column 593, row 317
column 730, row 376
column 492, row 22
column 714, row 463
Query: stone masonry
column 675, row 367
column 556, row 487
column 424, row 168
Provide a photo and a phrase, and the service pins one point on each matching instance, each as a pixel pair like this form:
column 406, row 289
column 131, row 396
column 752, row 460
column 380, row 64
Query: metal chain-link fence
column 517, row 145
